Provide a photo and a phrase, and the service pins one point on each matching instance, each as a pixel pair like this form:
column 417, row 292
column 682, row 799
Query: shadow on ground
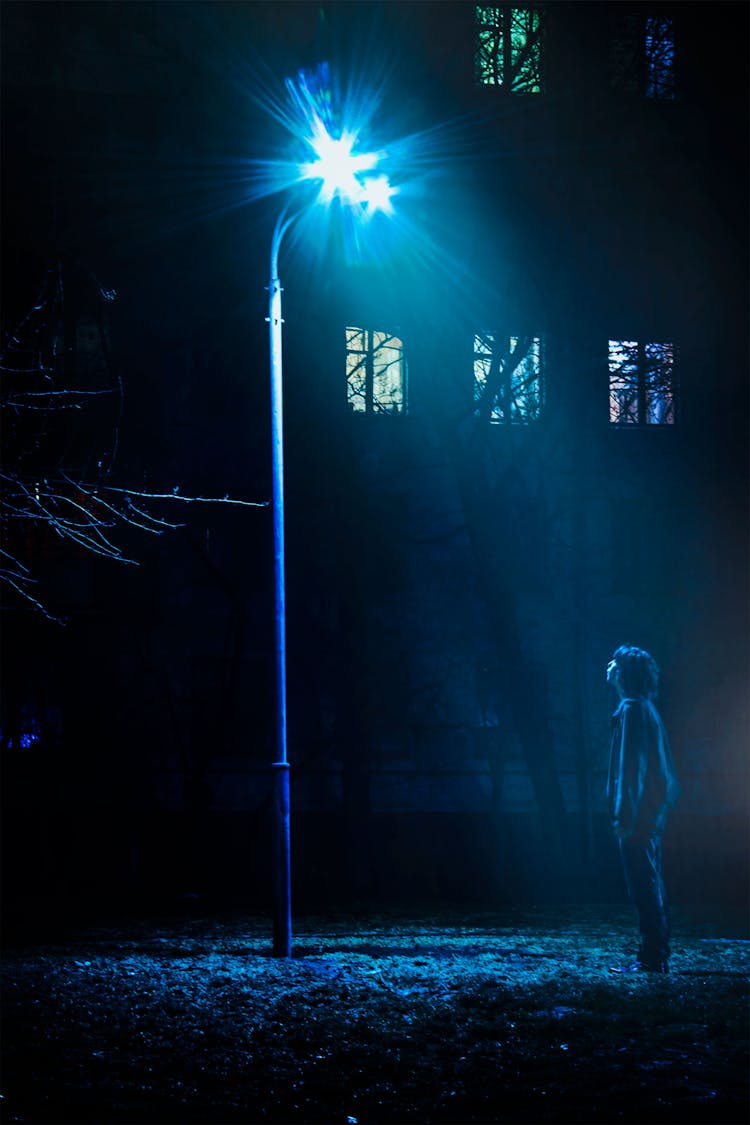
column 436, row 1017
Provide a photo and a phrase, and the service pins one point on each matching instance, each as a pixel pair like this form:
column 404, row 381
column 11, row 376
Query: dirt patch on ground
column 449, row 1017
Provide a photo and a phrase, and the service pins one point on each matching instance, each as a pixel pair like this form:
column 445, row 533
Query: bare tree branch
column 37, row 488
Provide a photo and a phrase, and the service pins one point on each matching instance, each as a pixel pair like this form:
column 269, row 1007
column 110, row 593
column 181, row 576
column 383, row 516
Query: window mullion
column 642, row 415
column 507, row 22
column 369, row 371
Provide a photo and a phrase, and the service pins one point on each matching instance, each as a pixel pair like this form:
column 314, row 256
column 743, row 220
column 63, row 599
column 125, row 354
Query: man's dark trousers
column 641, row 861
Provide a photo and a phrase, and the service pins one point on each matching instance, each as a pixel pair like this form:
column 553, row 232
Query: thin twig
column 189, row 499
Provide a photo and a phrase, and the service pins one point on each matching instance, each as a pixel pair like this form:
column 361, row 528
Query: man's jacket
column 642, row 784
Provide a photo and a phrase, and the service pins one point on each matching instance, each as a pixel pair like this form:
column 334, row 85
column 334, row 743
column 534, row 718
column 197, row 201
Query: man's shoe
column 661, row 965
column 641, row 967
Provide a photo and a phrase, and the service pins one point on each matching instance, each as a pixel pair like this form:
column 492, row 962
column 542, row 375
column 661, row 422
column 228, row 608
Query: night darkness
column 516, row 437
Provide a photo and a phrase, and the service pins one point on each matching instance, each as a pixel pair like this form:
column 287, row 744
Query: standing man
column 641, row 788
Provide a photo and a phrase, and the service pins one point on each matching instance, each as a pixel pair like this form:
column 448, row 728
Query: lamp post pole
column 348, row 177
column 282, row 897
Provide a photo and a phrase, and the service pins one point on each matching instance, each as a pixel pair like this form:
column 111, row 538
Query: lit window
column 643, row 56
column 508, row 48
column 659, row 50
column 23, row 734
column 641, row 383
column 375, row 372
column 508, row 377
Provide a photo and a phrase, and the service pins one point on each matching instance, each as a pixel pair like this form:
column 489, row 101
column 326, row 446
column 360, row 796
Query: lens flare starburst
column 343, row 171
column 339, row 168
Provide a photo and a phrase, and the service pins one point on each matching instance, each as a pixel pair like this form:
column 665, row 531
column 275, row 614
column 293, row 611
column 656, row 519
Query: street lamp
column 348, row 176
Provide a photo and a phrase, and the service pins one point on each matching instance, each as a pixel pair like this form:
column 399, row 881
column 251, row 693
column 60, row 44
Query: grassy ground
column 449, row 1017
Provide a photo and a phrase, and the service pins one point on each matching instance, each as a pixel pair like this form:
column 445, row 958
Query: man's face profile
column 613, row 673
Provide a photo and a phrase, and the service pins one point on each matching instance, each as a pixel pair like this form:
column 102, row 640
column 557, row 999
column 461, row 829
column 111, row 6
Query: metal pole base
column 282, row 917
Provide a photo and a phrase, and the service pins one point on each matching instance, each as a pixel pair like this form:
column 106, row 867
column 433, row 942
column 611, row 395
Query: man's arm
column 632, row 756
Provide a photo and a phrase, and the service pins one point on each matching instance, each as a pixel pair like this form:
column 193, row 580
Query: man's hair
column 639, row 672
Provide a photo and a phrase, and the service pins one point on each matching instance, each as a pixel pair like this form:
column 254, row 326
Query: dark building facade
column 516, row 437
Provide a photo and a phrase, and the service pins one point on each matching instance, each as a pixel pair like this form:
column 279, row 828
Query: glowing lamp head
column 343, row 172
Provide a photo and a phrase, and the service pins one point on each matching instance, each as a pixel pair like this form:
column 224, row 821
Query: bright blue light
column 343, row 171
column 378, row 191
column 337, row 166
column 339, row 155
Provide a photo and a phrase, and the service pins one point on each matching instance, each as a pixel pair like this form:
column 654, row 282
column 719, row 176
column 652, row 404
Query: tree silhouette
column 61, row 404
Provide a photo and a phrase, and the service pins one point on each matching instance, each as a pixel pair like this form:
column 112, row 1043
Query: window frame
column 368, row 353
column 633, row 72
column 499, row 409
column 669, row 68
column 505, row 60
column 640, row 376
